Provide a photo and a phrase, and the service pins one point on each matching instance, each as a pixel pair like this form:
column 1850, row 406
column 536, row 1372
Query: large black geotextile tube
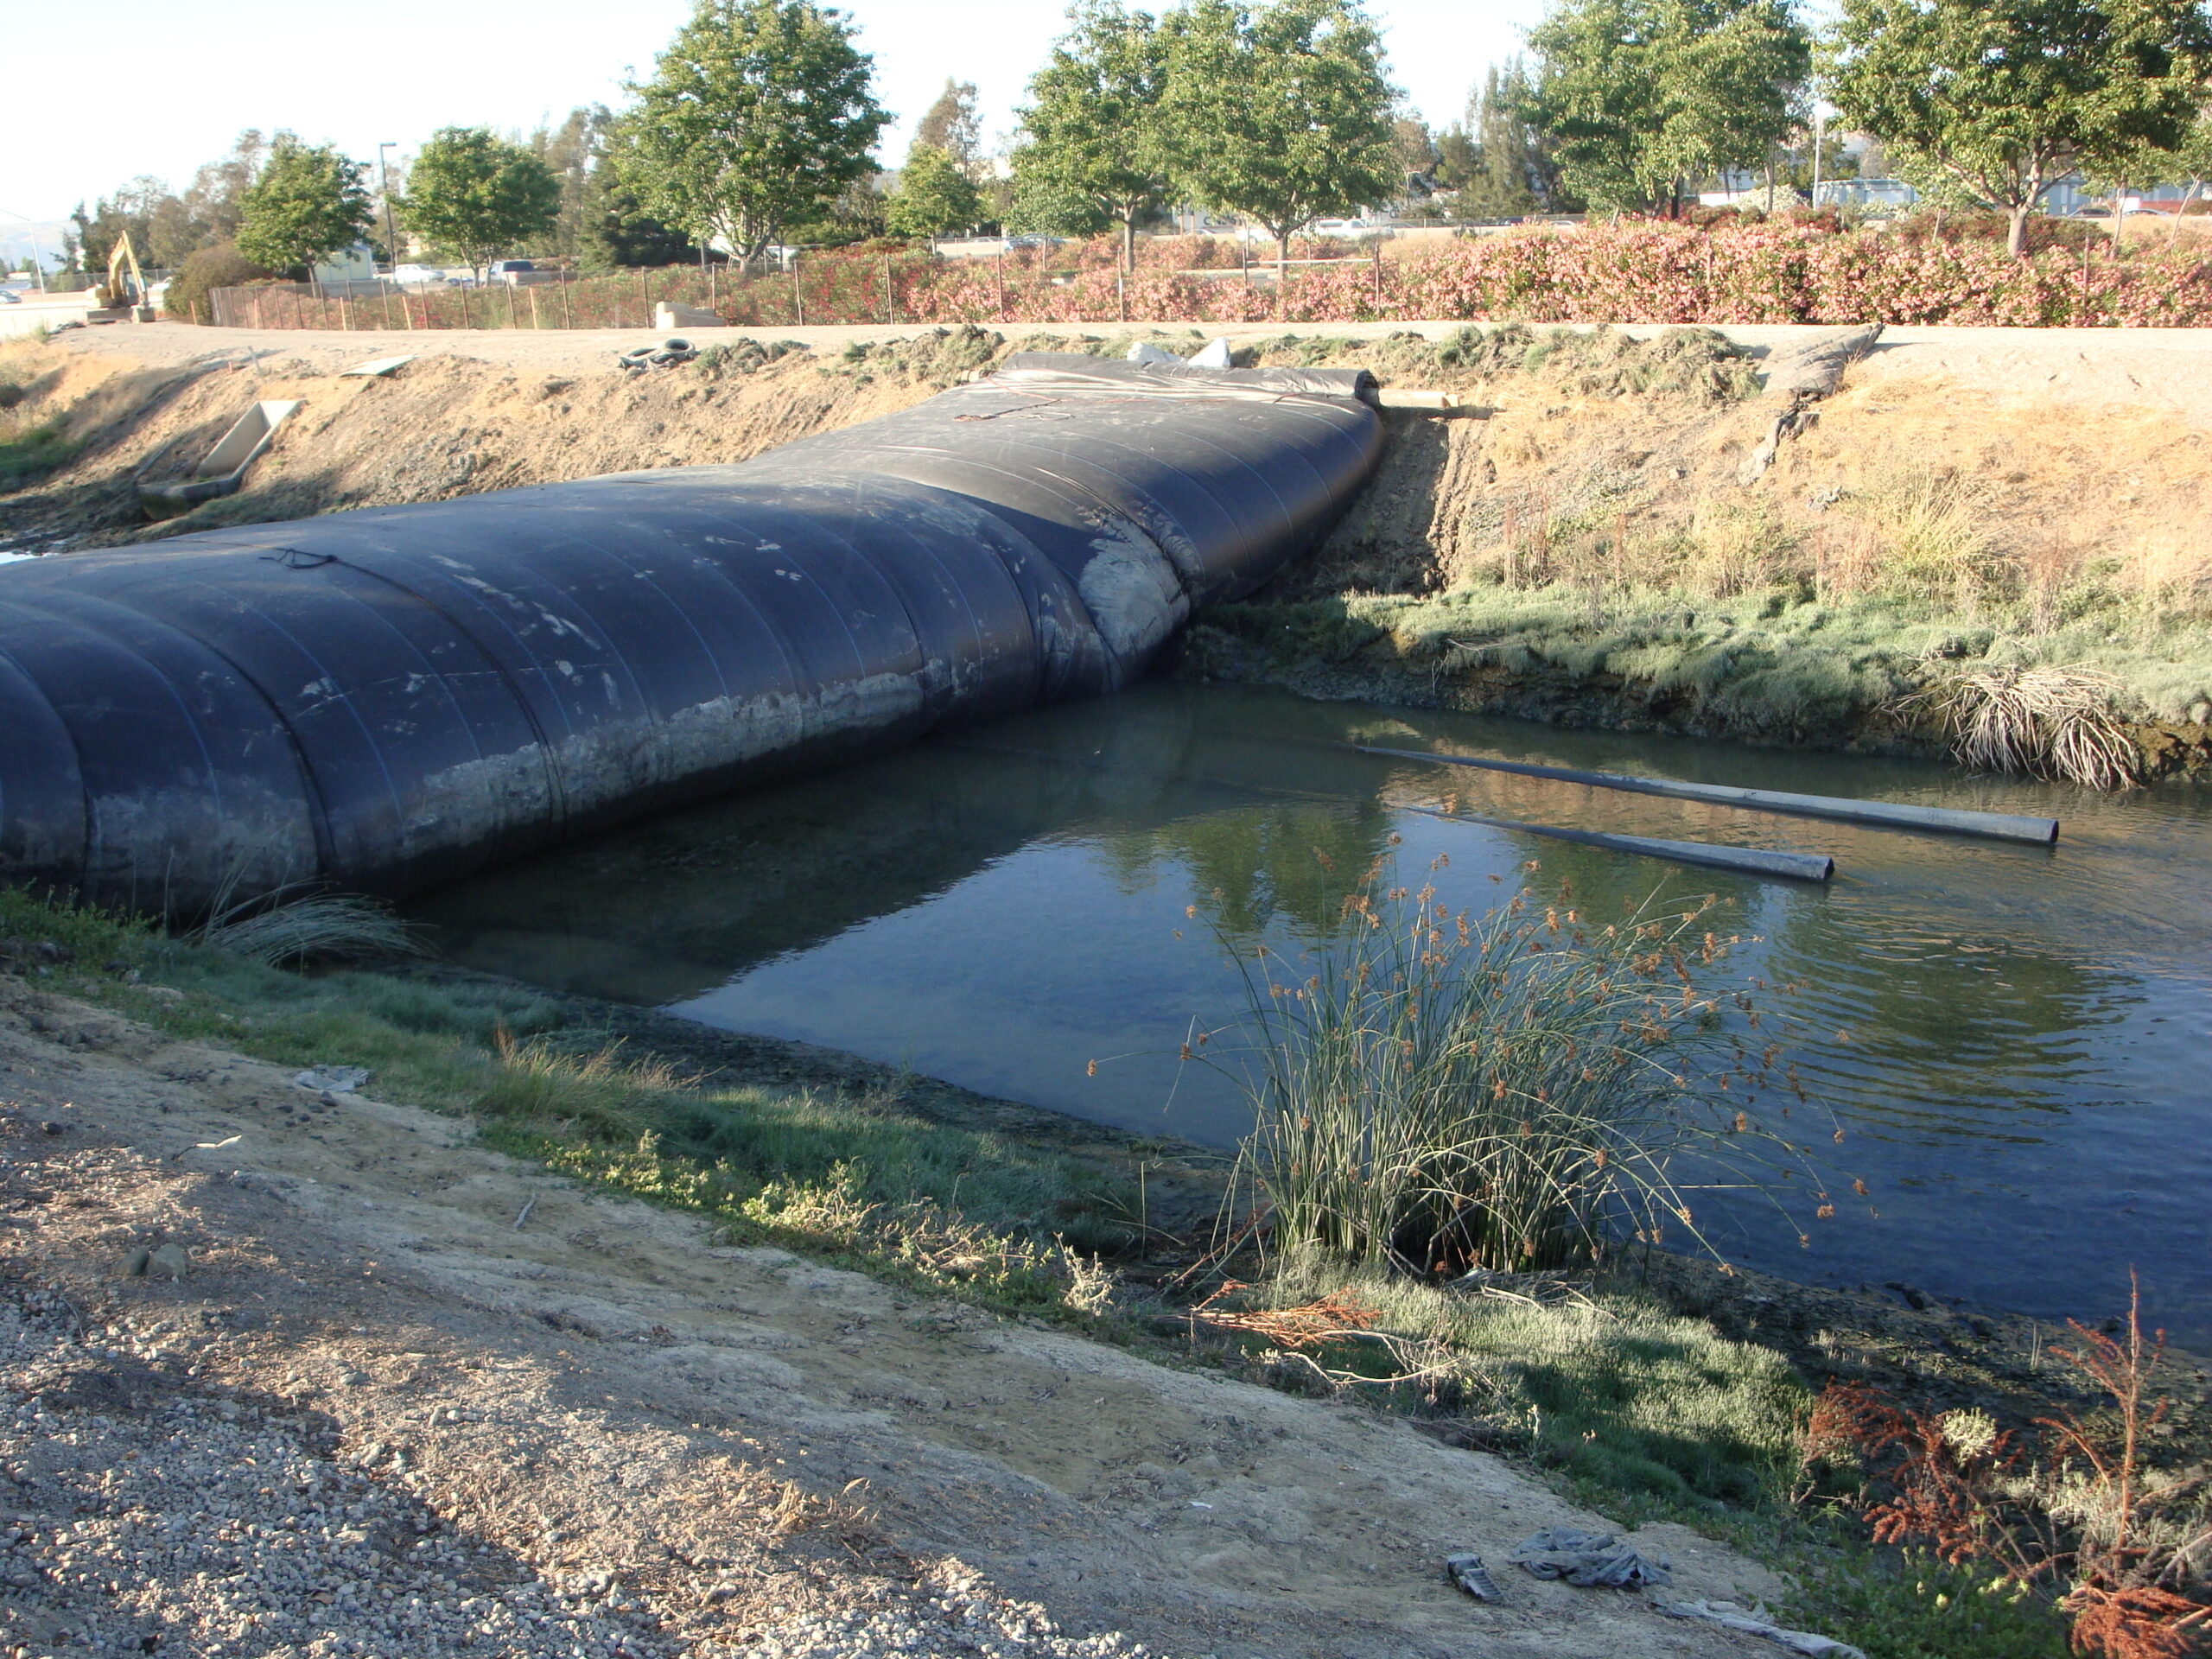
column 383, row 700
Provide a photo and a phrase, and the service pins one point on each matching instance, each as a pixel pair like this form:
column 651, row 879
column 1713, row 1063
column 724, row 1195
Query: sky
column 173, row 85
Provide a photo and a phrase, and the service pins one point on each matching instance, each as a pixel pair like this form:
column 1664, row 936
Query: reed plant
column 1442, row 1094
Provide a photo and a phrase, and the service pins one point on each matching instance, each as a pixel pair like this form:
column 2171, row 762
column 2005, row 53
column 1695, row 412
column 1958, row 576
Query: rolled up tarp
column 388, row 699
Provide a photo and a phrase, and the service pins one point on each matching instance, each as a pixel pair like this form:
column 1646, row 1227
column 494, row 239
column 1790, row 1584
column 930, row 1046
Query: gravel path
column 146, row 1516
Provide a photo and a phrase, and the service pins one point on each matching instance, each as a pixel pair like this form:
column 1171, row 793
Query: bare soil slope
column 491, row 1409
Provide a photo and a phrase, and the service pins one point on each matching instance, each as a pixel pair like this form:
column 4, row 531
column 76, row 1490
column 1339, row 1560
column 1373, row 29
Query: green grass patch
column 30, row 453
column 974, row 1213
column 1905, row 1605
column 1774, row 661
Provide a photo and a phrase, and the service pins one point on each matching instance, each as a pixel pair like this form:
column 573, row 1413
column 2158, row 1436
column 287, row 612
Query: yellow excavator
column 126, row 283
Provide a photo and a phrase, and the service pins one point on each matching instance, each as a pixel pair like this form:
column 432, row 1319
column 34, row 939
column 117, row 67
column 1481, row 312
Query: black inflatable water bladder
column 385, row 700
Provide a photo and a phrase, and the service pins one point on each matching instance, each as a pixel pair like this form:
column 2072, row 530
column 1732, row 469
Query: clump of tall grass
column 1440, row 1093
column 320, row 927
column 2046, row 722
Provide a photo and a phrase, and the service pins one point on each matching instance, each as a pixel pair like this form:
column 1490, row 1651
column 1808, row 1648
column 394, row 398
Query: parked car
column 418, row 276
column 513, row 271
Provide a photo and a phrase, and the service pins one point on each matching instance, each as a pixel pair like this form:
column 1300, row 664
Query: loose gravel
column 144, row 1515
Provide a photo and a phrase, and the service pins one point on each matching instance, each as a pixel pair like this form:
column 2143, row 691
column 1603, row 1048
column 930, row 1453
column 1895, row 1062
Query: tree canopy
column 2002, row 98
column 1093, row 149
column 935, row 197
column 955, row 125
column 479, row 195
column 1641, row 98
column 308, row 203
column 1281, row 110
column 757, row 116
column 1508, row 169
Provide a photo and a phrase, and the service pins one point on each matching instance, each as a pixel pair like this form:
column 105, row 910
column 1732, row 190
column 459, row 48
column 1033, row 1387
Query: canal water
column 2017, row 1041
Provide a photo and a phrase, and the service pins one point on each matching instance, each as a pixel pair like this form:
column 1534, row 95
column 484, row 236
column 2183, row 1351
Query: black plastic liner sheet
column 385, row 700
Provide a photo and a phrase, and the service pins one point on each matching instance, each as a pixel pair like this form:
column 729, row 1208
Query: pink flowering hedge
column 1634, row 272
column 1651, row 272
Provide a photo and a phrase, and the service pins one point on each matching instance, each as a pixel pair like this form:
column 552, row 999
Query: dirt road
column 2163, row 368
column 487, row 1407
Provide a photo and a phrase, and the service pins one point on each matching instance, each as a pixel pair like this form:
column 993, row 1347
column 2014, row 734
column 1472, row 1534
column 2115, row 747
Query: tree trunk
column 1129, row 241
column 2016, row 230
column 1283, row 274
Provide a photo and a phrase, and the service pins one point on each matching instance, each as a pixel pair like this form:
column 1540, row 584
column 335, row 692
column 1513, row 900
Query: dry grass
column 2056, row 722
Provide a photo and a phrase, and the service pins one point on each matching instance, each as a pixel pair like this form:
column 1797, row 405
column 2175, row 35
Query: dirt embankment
column 443, row 425
column 1578, row 548
column 489, row 1409
column 1583, row 550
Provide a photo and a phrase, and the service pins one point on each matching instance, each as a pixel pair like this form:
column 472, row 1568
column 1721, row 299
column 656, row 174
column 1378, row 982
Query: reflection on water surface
column 2015, row 1038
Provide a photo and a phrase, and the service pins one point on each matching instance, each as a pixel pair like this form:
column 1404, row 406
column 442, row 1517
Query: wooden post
column 568, row 313
column 799, row 293
column 1378, row 273
column 644, row 296
column 384, row 301
column 1122, row 295
column 887, row 291
column 534, row 322
column 1001, row 258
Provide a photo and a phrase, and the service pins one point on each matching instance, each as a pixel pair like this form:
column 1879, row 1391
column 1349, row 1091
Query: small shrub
column 2119, row 1546
column 186, row 299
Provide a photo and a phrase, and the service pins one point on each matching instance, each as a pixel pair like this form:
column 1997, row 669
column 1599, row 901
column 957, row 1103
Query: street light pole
column 38, row 257
column 391, row 239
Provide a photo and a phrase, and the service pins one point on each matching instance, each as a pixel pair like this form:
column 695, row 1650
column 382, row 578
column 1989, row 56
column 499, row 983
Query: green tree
column 1459, row 157
column 1641, row 98
column 954, row 125
column 308, row 203
column 1512, row 171
column 1281, row 111
column 857, row 215
column 213, row 202
column 575, row 154
column 934, row 197
column 2190, row 163
column 2003, row 98
column 1093, row 149
column 757, row 116
column 479, row 195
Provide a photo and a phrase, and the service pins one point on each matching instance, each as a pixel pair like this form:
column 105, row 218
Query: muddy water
column 2016, row 1041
